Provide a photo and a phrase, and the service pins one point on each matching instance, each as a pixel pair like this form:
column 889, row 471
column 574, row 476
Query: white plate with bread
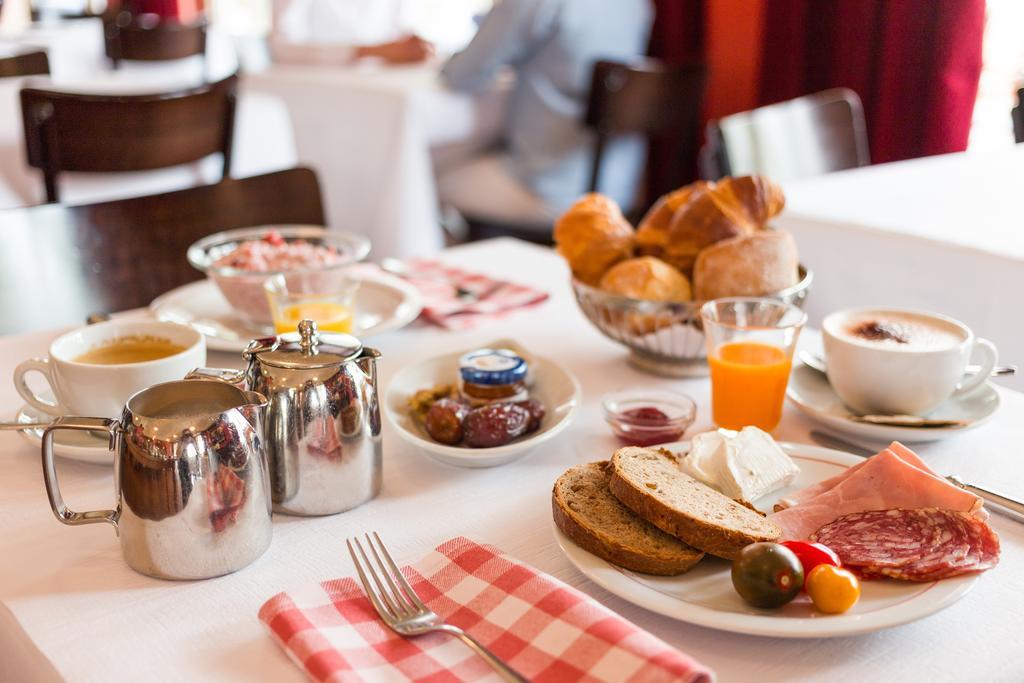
column 703, row 593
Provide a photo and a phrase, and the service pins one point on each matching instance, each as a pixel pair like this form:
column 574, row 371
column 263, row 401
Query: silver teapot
column 322, row 427
column 190, row 477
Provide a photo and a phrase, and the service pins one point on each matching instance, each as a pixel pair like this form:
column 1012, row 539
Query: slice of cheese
column 743, row 465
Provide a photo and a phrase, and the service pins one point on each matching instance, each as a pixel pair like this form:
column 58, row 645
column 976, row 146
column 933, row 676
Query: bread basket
column 664, row 338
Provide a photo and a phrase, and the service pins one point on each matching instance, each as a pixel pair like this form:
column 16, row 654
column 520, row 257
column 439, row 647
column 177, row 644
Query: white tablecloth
column 941, row 233
column 374, row 134
column 263, row 137
column 67, row 592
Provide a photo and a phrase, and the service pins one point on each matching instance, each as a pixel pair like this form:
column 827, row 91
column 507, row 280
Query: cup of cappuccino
column 901, row 362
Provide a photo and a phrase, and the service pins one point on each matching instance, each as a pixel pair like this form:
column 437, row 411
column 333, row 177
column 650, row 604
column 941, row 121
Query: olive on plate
column 767, row 574
column 444, row 421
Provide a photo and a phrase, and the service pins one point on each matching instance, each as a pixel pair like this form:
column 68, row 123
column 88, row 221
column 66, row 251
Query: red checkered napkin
column 436, row 283
column 543, row 628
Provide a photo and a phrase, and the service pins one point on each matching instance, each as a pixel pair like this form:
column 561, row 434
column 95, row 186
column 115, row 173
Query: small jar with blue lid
column 492, row 376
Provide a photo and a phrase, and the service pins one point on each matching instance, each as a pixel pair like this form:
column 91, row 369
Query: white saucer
column 811, row 392
column 705, row 596
column 550, row 384
column 383, row 303
column 73, row 445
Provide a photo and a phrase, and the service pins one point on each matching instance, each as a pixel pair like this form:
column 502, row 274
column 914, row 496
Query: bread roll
column 593, row 235
column 749, row 265
column 647, row 278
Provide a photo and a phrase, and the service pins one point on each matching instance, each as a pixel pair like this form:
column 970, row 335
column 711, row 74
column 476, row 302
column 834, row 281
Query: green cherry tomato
column 767, row 574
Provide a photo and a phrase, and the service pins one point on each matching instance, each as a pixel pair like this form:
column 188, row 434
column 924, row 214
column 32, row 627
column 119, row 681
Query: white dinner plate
column 88, row 447
column 705, row 595
column 810, row 391
column 550, row 384
column 383, row 303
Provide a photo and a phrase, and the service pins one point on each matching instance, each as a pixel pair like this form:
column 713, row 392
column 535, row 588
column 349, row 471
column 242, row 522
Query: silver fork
column 402, row 610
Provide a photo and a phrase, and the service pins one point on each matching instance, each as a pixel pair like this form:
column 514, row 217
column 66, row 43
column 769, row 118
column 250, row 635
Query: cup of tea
column 750, row 353
column 93, row 370
column 890, row 361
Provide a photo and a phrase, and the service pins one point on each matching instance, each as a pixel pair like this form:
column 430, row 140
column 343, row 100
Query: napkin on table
column 437, row 281
column 544, row 629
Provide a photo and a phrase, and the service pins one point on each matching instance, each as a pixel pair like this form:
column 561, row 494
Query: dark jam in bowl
column 645, row 426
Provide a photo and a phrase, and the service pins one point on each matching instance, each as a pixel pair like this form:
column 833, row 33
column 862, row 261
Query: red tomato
column 813, row 554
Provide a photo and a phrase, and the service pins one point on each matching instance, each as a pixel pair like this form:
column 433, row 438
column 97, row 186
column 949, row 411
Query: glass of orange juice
column 750, row 352
column 332, row 311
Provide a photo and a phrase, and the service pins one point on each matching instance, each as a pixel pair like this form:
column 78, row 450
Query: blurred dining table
column 70, row 608
column 377, row 135
column 263, row 131
column 940, row 233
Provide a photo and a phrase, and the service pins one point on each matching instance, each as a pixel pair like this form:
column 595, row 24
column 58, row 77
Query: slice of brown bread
column 649, row 482
column 596, row 521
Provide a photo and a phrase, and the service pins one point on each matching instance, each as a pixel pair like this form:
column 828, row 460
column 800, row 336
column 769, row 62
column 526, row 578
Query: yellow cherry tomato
column 833, row 590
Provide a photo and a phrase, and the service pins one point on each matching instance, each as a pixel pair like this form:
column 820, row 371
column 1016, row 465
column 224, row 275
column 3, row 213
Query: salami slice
column 923, row 544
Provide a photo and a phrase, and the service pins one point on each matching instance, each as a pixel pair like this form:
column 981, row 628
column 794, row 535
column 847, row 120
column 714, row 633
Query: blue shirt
column 553, row 45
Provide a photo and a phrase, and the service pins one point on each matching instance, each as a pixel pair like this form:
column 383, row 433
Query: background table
column 263, row 132
column 942, row 233
column 375, row 134
column 69, row 605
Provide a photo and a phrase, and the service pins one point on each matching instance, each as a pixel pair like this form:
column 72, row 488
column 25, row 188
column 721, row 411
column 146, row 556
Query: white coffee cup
column 103, row 389
column 887, row 377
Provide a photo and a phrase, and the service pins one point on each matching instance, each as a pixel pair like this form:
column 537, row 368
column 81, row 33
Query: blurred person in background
column 543, row 164
column 343, row 32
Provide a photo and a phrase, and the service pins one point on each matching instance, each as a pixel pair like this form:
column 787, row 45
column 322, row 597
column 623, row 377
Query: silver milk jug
column 193, row 492
column 322, row 427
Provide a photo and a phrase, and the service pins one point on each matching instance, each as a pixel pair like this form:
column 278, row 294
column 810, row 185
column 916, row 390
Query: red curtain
column 914, row 63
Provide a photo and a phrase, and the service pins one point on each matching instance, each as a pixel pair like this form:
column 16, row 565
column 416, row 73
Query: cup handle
column 988, row 363
column 43, row 367
column 61, row 511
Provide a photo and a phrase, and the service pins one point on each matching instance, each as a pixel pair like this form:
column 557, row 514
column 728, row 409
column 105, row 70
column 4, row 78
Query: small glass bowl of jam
column 645, row 417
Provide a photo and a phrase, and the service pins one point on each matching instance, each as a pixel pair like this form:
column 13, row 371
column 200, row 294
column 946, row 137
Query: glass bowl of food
column 644, row 417
column 311, row 259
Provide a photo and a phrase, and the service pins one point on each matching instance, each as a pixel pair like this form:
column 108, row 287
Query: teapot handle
column 63, row 513
column 233, row 377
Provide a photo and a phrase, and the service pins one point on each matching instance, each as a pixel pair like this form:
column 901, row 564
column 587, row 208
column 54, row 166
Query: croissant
column 710, row 213
column 593, row 236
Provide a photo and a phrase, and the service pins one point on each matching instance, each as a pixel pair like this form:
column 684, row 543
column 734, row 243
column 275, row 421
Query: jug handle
column 235, row 377
column 61, row 511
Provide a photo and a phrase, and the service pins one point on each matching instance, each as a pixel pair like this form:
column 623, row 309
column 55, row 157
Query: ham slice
column 894, row 478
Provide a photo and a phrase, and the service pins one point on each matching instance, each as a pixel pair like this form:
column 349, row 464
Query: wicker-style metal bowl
column 664, row 338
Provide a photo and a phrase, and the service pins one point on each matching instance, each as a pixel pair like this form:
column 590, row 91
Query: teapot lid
column 305, row 349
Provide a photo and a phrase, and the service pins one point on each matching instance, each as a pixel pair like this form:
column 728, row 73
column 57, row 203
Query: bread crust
column 761, row 263
column 606, row 545
column 697, row 531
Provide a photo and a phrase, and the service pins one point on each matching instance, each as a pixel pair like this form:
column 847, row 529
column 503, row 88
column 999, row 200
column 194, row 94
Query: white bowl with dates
column 554, row 387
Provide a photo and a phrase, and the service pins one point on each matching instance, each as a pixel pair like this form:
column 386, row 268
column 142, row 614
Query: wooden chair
column 67, row 131
column 1018, row 117
column 145, row 37
column 26, row 64
column 62, row 263
column 798, row 138
column 652, row 99
column 649, row 98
